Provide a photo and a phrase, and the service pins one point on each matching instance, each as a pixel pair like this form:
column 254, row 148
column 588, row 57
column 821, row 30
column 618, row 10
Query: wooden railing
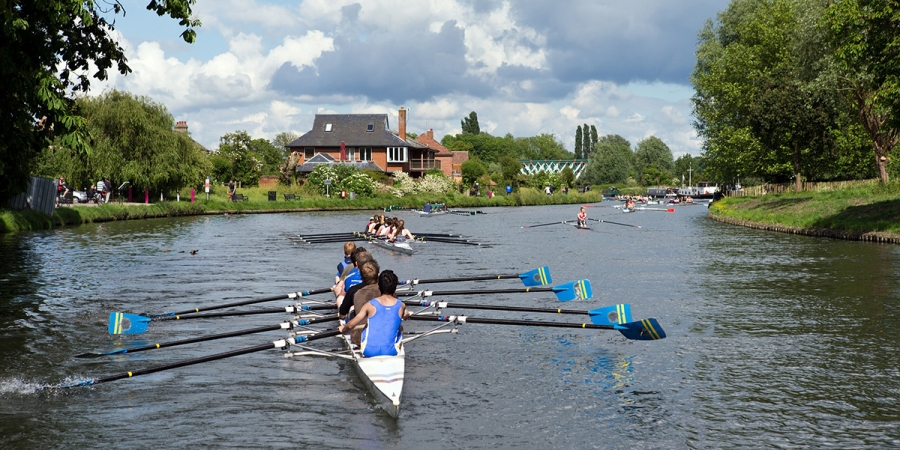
column 424, row 164
column 811, row 186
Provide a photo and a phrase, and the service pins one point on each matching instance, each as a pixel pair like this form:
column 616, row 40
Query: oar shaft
column 528, row 323
column 280, row 344
column 493, row 307
column 288, row 309
column 451, row 280
column 227, row 305
column 483, row 291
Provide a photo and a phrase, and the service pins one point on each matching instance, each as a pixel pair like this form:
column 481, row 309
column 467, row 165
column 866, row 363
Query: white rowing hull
column 401, row 247
column 382, row 375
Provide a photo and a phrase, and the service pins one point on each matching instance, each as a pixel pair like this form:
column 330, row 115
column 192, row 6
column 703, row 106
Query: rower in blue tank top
column 382, row 335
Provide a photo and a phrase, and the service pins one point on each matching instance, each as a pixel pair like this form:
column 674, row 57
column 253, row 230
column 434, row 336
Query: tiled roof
column 427, row 138
column 350, row 129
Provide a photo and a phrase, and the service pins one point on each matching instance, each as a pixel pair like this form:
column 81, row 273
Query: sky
column 525, row 67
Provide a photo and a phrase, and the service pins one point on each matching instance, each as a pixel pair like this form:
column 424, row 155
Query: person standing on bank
column 231, row 188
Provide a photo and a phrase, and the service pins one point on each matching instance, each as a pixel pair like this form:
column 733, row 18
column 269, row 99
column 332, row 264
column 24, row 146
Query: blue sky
column 526, row 67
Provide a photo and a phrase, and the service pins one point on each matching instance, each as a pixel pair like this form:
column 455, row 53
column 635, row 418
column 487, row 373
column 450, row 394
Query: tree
column 594, row 140
column 652, row 152
column 133, row 139
column 510, row 168
column 47, row 49
column 271, row 156
column 587, row 146
column 235, row 155
column 470, row 124
column 282, row 140
column 472, row 170
column 611, row 162
column 579, row 152
column 543, row 146
column 866, row 65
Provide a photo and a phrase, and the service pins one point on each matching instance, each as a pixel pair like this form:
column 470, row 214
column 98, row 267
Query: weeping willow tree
column 133, row 139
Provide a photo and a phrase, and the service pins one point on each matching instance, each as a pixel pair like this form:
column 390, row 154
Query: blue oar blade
column 537, row 277
column 642, row 330
column 611, row 315
column 576, row 290
column 124, row 323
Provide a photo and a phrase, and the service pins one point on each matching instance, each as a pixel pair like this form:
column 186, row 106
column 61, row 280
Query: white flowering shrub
column 429, row 184
column 343, row 177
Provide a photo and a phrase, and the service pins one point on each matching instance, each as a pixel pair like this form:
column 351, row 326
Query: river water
column 774, row 340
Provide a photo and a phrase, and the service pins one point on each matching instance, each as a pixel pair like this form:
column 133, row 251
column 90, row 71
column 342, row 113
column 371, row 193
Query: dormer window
column 327, row 127
column 370, row 127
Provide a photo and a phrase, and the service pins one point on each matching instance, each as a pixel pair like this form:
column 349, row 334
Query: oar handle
column 487, row 291
column 529, row 323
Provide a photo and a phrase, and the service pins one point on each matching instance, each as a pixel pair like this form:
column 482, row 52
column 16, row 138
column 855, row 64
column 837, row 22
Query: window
column 309, row 152
column 351, row 154
column 370, row 127
column 365, row 153
column 327, row 127
column 396, row 154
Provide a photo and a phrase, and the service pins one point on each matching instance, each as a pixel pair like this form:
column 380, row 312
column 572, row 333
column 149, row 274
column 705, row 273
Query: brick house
column 448, row 161
column 368, row 141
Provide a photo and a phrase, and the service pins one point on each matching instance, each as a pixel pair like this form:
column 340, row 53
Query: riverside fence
column 810, row 186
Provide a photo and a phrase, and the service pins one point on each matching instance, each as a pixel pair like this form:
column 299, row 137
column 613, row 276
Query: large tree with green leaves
column 49, row 51
column 132, row 139
column 579, row 149
column 653, row 152
column 236, row 159
column 611, row 162
column 866, row 66
column 542, row 146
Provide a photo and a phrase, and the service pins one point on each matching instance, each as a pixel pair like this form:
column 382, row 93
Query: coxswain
column 582, row 218
column 382, row 336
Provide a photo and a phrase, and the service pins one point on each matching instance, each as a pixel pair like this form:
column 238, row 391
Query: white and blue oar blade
column 576, row 290
column 124, row 323
column 642, row 330
column 537, row 277
column 611, row 315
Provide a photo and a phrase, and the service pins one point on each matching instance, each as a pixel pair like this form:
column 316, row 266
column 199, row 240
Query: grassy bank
column 16, row 221
column 870, row 213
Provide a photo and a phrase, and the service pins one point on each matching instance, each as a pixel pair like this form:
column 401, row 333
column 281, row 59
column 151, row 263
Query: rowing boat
column 382, row 375
column 431, row 213
column 401, row 247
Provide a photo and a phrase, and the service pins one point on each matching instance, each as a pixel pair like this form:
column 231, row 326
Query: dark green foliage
column 543, row 146
column 472, row 170
column 611, row 163
column 652, row 152
column 579, row 151
column 47, row 47
column 655, row 177
column 510, row 169
column 470, row 124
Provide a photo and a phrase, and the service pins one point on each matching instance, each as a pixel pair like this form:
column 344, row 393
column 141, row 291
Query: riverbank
column 258, row 203
column 867, row 213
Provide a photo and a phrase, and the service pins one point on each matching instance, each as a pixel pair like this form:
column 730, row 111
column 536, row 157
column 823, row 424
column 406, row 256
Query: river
column 774, row 340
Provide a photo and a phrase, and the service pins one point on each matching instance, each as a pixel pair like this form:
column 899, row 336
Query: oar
column 610, row 315
column 449, row 235
column 281, row 326
column 279, row 344
column 342, row 233
column 290, row 295
column 565, row 292
column 644, row 208
column 545, row 224
column 124, row 323
column 616, row 223
column 536, row 277
column 447, row 241
column 642, row 330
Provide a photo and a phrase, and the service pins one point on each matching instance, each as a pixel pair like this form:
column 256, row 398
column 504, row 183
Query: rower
column 401, row 232
column 359, row 295
column 348, row 250
column 427, row 207
column 582, row 218
column 382, row 336
column 351, row 275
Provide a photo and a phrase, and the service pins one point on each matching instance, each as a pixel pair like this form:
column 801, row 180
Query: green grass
column 863, row 209
column 17, row 221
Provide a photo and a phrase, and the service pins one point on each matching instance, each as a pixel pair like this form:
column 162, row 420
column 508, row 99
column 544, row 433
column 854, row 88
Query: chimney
column 402, row 123
column 181, row 126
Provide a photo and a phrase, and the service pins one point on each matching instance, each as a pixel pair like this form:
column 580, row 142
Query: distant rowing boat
column 401, row 247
